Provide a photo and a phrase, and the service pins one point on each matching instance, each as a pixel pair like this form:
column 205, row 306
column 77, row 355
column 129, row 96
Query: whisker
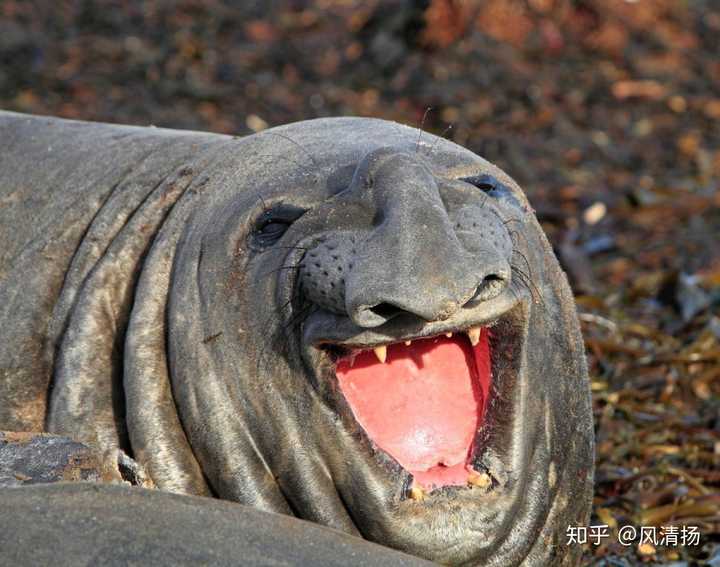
column 297, row 144
column 432, row 149
column 260, row 197
column 528, row 282
column 530, row 272
column 521, row 282
column 286, row 158
column 278, row 316
column 281, row 268
column 300, row 317
column 422, row 126
column 273, row 249
column 518, row 234
column 508, row 221
column 282, row 338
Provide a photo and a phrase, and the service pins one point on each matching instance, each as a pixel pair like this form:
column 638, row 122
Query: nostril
column 376, row 315
column 487, row 280
column 386, row 310
column 491, row 286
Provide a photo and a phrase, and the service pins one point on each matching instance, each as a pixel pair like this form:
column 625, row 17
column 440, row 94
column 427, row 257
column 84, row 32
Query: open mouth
column 422, row 402
column 435, row 399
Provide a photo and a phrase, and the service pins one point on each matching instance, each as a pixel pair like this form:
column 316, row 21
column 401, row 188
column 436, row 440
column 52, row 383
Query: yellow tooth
column 481, row 480
column 417, row 493
column 448, row 335
column 381, row 353
column 474, row 335
column 408, row 343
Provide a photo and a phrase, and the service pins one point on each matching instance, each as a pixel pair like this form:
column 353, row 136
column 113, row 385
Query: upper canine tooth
column 448, row 335
column 474, row 335
column 481, row 480
column 381, row 353
column 417, row 492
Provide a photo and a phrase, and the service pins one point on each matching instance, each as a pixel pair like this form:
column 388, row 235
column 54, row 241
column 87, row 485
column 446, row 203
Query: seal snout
column 418, row 257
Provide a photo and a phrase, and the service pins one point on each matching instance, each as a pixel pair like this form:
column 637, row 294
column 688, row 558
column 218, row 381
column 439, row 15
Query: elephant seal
column 81, row 524
column 347, row 320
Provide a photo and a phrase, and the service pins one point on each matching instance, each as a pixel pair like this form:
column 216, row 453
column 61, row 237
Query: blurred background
column 606, row 111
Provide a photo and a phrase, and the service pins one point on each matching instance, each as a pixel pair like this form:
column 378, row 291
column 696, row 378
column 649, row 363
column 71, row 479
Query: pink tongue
column 424, row 405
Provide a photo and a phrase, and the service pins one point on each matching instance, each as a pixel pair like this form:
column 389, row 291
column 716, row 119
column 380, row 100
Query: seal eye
column 273, row 223
column 496, row 190
column 274, row 228
column 486, row 183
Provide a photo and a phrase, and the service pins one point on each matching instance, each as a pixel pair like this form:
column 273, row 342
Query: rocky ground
column 606, row 111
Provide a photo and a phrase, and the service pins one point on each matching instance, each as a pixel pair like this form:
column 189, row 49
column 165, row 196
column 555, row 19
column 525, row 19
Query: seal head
column 396, row 349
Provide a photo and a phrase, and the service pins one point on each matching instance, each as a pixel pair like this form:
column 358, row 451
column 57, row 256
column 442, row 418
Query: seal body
column 347, row 320
column 76, row 524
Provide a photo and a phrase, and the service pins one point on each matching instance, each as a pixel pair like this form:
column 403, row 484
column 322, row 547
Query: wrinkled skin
column 171, row 294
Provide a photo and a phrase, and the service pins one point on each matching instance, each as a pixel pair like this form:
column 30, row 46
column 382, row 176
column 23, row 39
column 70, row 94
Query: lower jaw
column 454, row 525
